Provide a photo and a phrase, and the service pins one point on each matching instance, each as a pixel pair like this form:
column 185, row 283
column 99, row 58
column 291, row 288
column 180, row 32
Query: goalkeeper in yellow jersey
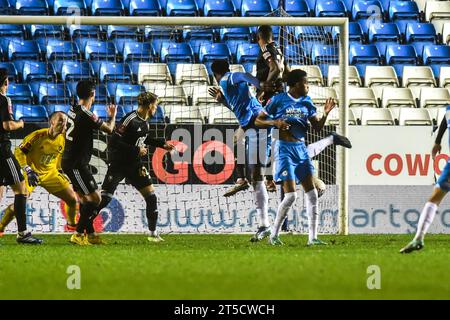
column 39, row 155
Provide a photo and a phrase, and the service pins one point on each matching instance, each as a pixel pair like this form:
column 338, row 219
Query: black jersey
column 131, row 134
column 269, row 52
column 81, row 124
column 6, row 114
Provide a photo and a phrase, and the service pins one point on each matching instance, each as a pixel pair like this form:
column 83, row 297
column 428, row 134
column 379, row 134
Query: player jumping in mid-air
column 129, row 143
column 81, row 123
column 290, row 112
column 10, row 173
column 39, row 155
column 439, row 192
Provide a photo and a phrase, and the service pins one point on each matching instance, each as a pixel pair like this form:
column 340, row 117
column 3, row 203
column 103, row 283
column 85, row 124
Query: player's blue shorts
column 444, row 180
column 291, row 161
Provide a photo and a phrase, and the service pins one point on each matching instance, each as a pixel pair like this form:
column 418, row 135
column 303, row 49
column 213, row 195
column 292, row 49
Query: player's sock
column 152, row 211
column 240, row 171
column 311, row 210
column 20, row 207
column 90, row 223
column 86, row 211
column 425, row 220
column 317, row 147
column 106, row 199
column 71, row 213
column 8, row 216
column 262, row 202
column 283, row 208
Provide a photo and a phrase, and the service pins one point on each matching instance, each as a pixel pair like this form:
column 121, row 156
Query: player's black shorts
column 10, row 172
column 81, row 177
column 136, row 175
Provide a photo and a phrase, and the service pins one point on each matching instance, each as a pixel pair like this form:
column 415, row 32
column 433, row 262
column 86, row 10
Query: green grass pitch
column 226, row 267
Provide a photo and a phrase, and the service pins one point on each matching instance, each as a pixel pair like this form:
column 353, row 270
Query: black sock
column 90, row 223
column 106, row 199
column 86, row 211
column 20, row 208
column 240, row 171
column 152, row 211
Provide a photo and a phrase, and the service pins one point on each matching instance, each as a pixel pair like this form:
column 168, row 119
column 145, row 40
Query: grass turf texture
column 225, row 267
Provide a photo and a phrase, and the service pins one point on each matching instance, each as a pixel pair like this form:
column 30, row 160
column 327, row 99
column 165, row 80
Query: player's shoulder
column 39, row 134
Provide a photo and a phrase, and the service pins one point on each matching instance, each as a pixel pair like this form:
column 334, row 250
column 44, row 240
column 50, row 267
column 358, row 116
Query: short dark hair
column 265, row 33
column 3, row 76
column 85, row 89
column 146, row 98
column 220, row 66
column 295, row 76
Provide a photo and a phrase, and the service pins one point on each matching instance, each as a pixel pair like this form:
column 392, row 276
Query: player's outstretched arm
column 318, row 123
column 264, row 121
column 108, row 125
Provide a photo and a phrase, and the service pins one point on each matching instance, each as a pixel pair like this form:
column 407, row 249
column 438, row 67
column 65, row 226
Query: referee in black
column 10, row 171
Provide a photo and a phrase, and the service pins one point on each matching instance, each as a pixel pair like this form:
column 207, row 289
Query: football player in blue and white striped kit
column 440, row 190
column 292, row 164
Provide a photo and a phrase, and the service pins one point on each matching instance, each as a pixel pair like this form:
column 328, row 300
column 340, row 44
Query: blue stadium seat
column 151, row 33
column 19, row 93
column 30, row 113
column 355, row 32
column 364, row 55
column 309, row 33
column 51, row 108
column 297, row 8
column 6, row 8
column 181, row 8
column 101, row 93
column 58, row 49
column 176, row 52
column 400, row 10
column 99, row 50
column 436, row 54
column 127, row 94
column 76, row 71
column 235, row 33
column 122, row 32
column 233, row 45
column 330, row 8
column 382, row 34
column 120, row 43
column 218, row 8
column 247, row 52
column 11, row 30
column 275, row 4
column 325, row 54
column 45, row 30
column 138, row 51
column 252, row 8
column 53, row 93
column 190, row 34
column 145, row 8
column 294, row 54
column 127, row 108
column 197, row 43
column 366, row 9
column 134, row 66
column 107, row 8
column 420, row 34
column 26, row 49
column 99, row 110
column 212, row 51
column 38, row 71
column 112, row 71
column 88, row 31
column 13, row 75
column 60, row 7
column 399, row 56
column 32, row 7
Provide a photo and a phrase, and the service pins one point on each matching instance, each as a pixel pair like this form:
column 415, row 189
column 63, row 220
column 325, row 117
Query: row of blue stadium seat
column 39, row 113
column 356, row 9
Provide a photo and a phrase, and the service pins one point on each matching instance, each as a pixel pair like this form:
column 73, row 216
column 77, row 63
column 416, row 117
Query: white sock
column 425, row 220
column 262, row 203
column 311, row 211
column 153, row 233
column 283, row 208
column 317, row 147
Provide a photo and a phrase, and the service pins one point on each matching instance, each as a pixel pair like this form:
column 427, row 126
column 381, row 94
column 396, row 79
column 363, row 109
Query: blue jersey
column 239, row 98
column 295, row 112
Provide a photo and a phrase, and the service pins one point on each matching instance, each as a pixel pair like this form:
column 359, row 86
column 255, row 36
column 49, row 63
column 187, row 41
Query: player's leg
column 317, row 147
column 241, row 181
column 290, row 196
column 58, row 184
column 429, row 211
